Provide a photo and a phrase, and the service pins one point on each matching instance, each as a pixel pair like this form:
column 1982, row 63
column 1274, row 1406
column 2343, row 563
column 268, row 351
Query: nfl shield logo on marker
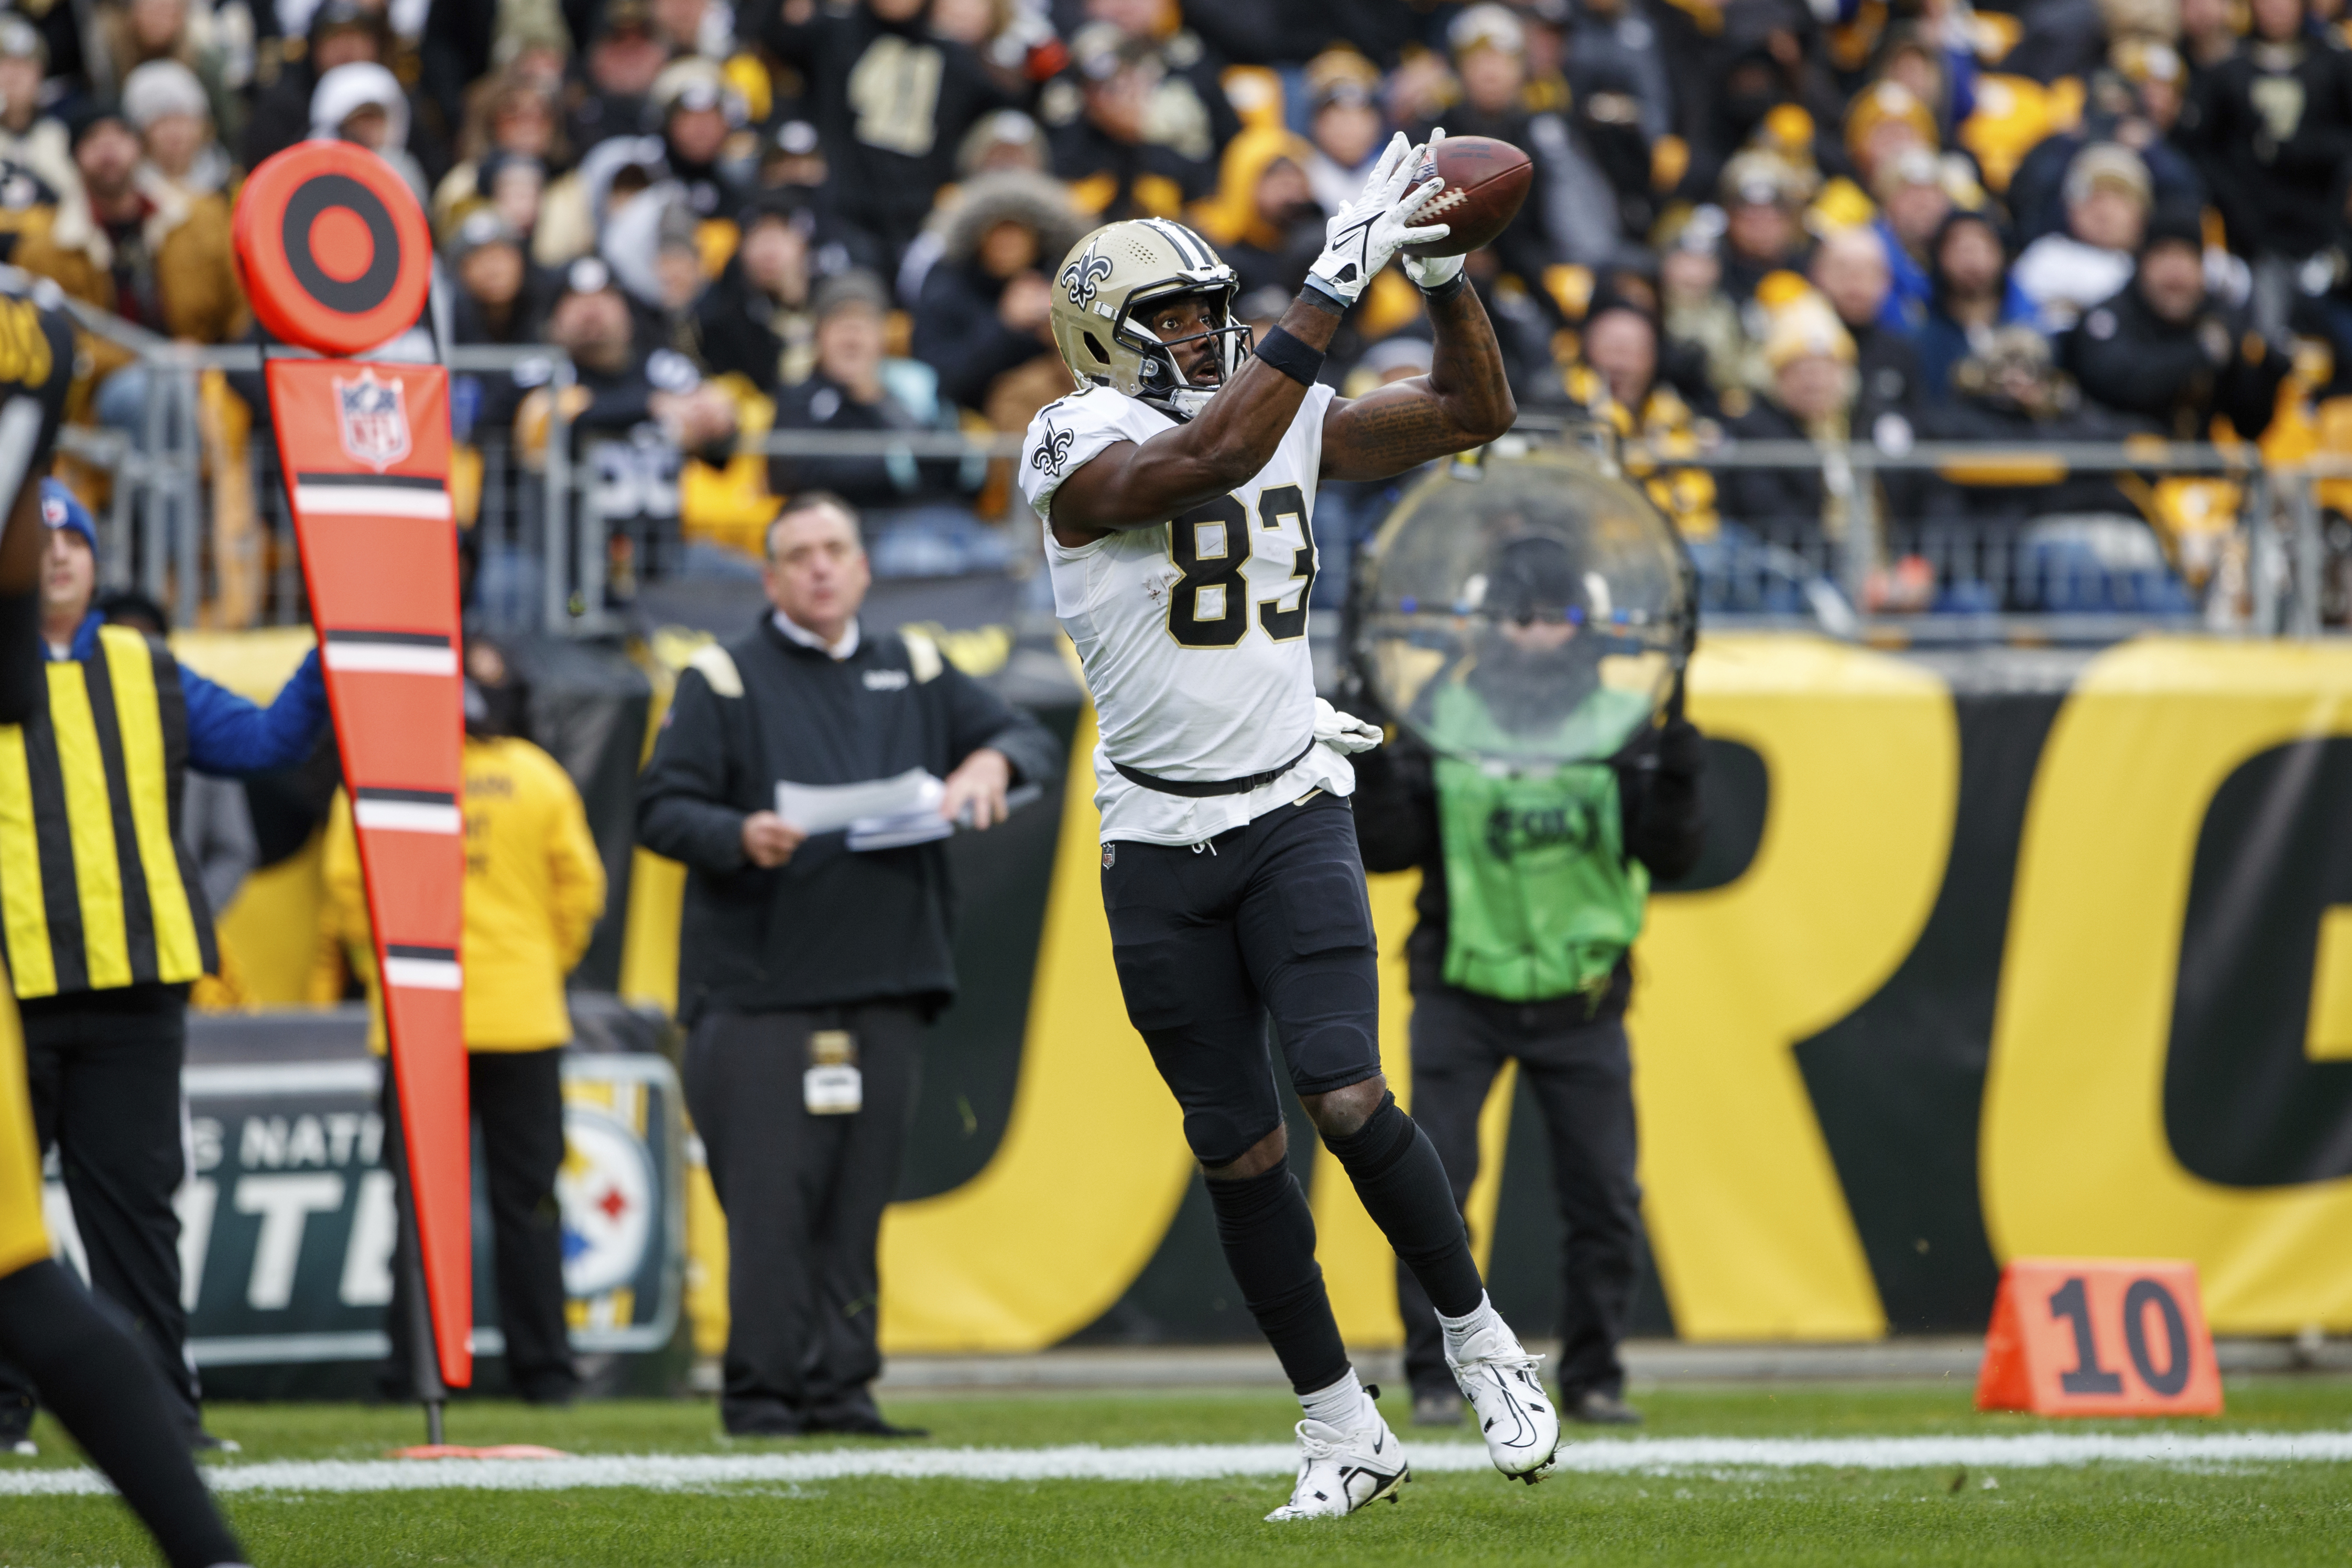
column 373, row 414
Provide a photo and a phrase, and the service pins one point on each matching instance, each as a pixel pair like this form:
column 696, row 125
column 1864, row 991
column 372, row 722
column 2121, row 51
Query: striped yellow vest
column 95, row 890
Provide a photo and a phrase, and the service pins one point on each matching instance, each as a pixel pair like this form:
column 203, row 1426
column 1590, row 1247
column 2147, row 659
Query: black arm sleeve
column 685, row 809
column 20, row 656
column 1396, row 806
column 1658, row 795
column 977, row 717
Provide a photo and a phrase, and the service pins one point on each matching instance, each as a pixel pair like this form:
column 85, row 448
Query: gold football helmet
column 1104, row 283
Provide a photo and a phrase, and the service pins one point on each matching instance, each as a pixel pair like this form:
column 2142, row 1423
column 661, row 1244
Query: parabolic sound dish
column 1527, row 614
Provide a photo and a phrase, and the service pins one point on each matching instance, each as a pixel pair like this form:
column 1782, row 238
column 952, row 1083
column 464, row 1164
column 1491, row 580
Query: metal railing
column 544, row 544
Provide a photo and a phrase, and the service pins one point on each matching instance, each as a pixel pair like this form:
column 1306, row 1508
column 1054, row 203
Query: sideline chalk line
column 1206, row 1461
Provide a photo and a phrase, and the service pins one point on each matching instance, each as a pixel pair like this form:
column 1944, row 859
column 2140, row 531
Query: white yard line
column 1203, row 1461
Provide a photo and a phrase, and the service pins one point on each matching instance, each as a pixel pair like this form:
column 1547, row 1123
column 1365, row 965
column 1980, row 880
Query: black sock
column 1403, row 1185
column 99, row 1382
column 1268, row 1234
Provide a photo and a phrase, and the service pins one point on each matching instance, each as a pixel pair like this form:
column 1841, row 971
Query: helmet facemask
column 1164, row 384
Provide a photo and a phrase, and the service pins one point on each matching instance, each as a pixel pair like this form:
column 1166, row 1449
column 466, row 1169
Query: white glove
column 1372, row 229
column 1343, row 733
column 1431, row 271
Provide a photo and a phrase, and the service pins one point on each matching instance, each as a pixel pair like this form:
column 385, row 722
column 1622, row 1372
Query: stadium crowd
column 1887, row 221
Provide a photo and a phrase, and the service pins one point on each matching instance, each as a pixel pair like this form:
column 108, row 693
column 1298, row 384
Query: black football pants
column 1582, row 1078
column 803, row 1196
column 517, row 1098
column 105, row 1074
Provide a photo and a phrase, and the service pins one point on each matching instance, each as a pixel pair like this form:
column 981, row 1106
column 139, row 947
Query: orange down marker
column 2099, row 1336
column 336, row 258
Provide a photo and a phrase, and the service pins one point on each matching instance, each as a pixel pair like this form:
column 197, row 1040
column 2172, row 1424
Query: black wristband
column 1313, row 295
column 1291, row 357
column 1447, row 289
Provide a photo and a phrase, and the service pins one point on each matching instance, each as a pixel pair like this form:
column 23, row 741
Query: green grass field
column 2284, row 1512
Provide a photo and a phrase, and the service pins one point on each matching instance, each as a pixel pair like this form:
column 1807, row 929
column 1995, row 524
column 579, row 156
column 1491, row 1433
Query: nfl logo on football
column 373, row 417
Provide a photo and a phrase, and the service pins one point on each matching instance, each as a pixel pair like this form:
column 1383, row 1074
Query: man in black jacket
column 808, row 971
column 2165, row 348
column 1508, row 852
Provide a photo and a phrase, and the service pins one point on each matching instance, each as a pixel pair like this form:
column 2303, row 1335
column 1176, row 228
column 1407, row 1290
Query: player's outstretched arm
column 1142, row 484
column 1465, row 401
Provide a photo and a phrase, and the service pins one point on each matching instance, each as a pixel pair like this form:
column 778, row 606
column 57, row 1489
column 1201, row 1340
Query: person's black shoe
column 203, row 1442
column 1595, row 1408
column 778, row 1423
column 861, row 1423
column 1437, row 1407
column 554, row 1396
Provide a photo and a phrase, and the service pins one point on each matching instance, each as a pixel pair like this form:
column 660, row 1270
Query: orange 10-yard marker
column 2099, row 1336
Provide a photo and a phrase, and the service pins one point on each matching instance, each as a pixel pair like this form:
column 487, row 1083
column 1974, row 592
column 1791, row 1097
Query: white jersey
column 1192, row 634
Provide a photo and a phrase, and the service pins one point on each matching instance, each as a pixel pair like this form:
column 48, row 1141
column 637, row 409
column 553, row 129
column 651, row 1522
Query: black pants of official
column 803, row 1196
column 105, row 1072
column 1582, row 1078
column 518, row 1101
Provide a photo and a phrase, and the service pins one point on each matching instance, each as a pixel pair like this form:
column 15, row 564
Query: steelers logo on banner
column 606, row 1188
column 333, row 248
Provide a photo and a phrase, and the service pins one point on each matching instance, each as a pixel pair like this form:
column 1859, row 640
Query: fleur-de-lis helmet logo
column 1084, row 276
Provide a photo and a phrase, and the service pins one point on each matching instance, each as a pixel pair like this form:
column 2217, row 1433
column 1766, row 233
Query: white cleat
column 1339, row 1472
column 1515, row 1414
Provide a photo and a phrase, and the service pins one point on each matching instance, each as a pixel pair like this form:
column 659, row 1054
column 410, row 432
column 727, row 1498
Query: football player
column 1177, row 488
column 88, row 1370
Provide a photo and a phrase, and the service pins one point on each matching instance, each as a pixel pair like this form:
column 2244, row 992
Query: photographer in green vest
column 1534, row 877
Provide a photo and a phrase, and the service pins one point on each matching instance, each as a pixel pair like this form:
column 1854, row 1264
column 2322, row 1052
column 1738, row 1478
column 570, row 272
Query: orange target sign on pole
column 336, row 258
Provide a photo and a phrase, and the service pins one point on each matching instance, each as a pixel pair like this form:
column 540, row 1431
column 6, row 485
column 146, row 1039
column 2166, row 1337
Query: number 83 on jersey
column 1209, row 603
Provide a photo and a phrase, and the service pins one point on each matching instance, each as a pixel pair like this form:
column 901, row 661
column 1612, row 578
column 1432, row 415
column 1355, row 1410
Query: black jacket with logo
column 828, row 928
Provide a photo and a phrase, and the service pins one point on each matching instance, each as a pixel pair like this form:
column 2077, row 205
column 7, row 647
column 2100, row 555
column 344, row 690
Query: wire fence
column 2059, row 542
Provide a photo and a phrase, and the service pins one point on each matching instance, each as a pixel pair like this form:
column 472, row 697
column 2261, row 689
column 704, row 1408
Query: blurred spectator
column 1618, row 384
column 635, row 414
column 1615, row 39
column 153, row 255
column 2011, row 392
column 2165, row 348
column 983, row 312
column 364, row 103
column 1189, row 112
column 2275, row 136
column 1763, row 201
column 1700, row 321
column 513, row 125
column 1345, row 124
column 1119, row 162
column 576, row 212
column 1265, row 220
column 2117, row 113
column 1571, row 212
column 892, row 103
column 613, row 79
column 166, row 105
column 1811, row 355
column 698, row 113
column 755, row 321
column 1971, row 293
column 2107, row 194
column 534, row 888
column 2209, row 36
column 1886, row 120
column 500, row 296
column 141, row 32
column 1913, row 203
column 916, row 521
column 342, row 33
column 1850, row 269
column 30, row 137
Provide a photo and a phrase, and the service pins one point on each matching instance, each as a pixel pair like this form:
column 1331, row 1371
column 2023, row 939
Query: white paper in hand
column 829, row 809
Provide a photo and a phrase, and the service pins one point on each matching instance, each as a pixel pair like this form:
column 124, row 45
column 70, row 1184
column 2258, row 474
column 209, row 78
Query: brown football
column 1485, row 181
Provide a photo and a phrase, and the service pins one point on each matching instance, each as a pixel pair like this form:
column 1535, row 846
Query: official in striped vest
column 105, row 925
